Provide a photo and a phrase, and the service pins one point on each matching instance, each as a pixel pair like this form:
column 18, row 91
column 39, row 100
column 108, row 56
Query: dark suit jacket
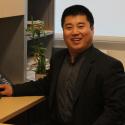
column 101, row 97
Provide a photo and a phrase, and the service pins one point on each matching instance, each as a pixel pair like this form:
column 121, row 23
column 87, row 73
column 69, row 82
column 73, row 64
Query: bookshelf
column 41, row 10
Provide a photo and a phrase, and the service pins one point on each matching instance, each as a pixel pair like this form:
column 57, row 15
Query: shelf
column 39, row 10
column 47, row 33
column 42, row 10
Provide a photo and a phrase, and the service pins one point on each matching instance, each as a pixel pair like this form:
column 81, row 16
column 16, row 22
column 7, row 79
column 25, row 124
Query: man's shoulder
column 105, row 59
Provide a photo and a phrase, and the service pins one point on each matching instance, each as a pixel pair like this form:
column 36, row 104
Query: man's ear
column 92, row 28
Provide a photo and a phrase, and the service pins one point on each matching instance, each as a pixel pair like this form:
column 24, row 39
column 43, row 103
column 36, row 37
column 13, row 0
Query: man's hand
column 6, row 90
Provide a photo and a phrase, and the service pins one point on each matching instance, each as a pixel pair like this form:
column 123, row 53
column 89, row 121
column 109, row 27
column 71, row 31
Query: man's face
column 78, row 34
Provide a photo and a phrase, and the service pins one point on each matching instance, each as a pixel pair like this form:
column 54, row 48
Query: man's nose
column 75, row 31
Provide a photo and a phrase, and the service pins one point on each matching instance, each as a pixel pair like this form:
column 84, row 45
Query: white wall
column 109, row 15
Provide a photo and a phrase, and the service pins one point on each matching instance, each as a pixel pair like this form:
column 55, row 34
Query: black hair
column 77, row 10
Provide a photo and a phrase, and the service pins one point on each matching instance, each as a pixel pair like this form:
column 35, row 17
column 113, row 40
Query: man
column 84, row 86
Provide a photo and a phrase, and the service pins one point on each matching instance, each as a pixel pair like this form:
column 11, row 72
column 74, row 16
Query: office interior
column 14, row 16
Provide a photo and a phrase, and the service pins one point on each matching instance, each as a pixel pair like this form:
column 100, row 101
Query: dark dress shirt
column 67, row 87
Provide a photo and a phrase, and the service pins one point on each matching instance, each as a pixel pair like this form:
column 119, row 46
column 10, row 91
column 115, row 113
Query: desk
column 4, row 124
column 13, row 106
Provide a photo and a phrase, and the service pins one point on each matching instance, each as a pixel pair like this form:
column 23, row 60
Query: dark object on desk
column 4, row 79
column 1, row 89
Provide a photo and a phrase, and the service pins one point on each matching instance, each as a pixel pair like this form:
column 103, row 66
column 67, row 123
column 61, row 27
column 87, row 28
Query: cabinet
column 41, row 10
column 12, row 49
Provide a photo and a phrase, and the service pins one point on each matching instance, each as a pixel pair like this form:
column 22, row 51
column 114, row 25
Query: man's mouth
column 76, row 40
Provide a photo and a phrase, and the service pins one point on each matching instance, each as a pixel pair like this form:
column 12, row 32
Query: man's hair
column 77, row 10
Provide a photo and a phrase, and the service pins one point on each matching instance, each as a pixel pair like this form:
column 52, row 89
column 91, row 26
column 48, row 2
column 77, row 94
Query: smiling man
column 84, row 86
column 78, row 34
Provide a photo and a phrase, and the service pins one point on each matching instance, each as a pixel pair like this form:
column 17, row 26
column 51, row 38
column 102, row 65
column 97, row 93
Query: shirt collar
column 73, row 60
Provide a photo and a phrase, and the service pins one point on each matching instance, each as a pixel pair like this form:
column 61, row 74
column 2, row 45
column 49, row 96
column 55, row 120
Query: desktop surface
column 13, row 106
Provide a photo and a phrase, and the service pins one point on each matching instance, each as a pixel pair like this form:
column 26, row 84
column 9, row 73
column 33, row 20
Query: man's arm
column 114, row 95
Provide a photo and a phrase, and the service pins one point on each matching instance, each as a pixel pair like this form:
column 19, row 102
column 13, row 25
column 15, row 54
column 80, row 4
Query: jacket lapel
column 84, row 72
column 83, row 75
column 59, row 60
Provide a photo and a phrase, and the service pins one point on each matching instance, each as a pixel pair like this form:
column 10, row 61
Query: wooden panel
column 10, row 8
column 12, row 48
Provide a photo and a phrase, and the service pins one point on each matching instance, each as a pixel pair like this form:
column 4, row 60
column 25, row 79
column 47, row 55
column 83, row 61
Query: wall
column 108, row 14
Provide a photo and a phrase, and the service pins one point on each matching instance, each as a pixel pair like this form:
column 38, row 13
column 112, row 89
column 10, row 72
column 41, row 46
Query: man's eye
column 80, row 26
column 69, row 27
